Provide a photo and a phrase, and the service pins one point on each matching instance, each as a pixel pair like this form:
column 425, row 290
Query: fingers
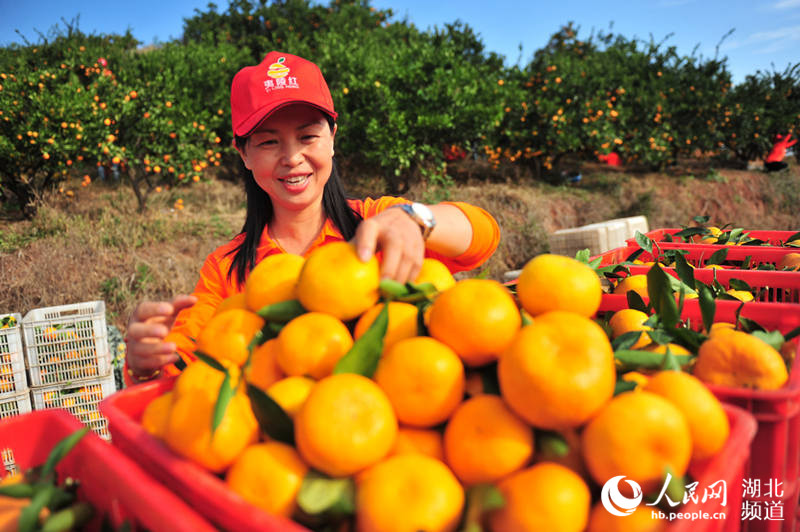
column 398, row 238
column 149, row 324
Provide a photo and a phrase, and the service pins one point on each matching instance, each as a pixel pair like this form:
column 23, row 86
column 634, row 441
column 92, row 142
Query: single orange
column 291, row 393
column 477, row 318
column 545, row 496
column 484, row 441
column 311, row 345
column 637, row 434
column 630, row 320
column 708, row 422
column 636, row 283
column 334, row 280
column 268, row 476
column 237, row 300
column 423, row 379
column 556, row 282
column 346, row 425
column 408, row 492
column 402, row 322
column 273, row 280
column 263, row 370
column 436, row 273
column 735, row 358
column 559, row 371
column 228, row 334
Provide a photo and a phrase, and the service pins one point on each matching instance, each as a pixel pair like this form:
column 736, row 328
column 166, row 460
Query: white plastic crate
column 67, row 343
column 13, row 379
column 633, row 224
column 598, row 237
column 82, row 399
column 15, row 405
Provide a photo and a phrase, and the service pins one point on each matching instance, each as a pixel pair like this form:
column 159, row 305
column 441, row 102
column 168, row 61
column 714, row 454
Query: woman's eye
column 267, row 142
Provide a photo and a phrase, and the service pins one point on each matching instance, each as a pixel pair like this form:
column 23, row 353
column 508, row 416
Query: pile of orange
column 421, row 433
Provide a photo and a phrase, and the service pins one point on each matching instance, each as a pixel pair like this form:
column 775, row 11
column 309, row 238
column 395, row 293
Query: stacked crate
column 68, row 359
column 14, row 397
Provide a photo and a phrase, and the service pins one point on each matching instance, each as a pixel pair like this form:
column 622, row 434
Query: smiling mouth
column 295, row 180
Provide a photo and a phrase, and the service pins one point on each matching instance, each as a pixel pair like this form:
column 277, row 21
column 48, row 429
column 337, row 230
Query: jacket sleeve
column 485, row 232
column 211, row 289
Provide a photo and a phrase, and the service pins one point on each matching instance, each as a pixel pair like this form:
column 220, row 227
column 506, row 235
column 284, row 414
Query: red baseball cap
column 279, row 80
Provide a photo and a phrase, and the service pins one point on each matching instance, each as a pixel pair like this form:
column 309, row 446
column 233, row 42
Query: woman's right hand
column 151, row 321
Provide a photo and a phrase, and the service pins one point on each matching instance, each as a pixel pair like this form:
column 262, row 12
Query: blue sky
column 766, row 32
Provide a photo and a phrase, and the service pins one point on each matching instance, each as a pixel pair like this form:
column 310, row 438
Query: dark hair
column 259, row 213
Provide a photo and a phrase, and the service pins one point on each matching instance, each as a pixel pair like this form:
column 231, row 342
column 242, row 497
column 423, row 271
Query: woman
column 284, row 125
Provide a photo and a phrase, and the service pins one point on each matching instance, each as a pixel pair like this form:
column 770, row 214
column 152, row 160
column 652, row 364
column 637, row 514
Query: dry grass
column 97, row 246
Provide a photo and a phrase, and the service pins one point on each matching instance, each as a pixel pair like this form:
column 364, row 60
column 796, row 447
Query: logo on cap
column 280, row 77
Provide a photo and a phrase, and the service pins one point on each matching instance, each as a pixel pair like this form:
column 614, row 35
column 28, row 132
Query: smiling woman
column 284, row 125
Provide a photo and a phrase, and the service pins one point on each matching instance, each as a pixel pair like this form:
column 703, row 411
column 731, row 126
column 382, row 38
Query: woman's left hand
column 400, row 240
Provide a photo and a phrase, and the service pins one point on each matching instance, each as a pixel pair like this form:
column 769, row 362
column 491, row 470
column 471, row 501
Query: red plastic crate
column 116, row 486
column 698, row 255
column 199, row 488
column 770, row 238
column 209, row 494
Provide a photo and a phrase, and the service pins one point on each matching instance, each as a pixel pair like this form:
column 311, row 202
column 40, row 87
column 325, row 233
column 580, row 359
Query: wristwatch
column 421, row 214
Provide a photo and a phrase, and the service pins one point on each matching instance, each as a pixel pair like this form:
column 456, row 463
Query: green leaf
column 792, row 237
column 363, row 357
column 60, row 450
column 29, row 517
column 636, row 302
column 670, row 362
column 20, row 490
column 583, row 256
column 283, row 312
column 481, row 499
column 708, row 307
column 749, row 325
column 320, row 494
column 211, row 361
column 738, row 284
column 718, row 257
column 774, row 338
column 224, row 397
column 551, row 443
column 272, row 418
column 685, row 272
column 71, row 518
column 701, row 220
column 635, row 255
column 660, row 336
column 622, row 386
column 646, row 359
column 791, row 334
column 391, row 289
column 659, row 289
column 689, row 232
column 626, row 340
column 645, row 242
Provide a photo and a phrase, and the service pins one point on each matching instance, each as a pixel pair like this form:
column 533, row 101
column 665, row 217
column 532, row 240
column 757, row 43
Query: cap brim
column 253, row 121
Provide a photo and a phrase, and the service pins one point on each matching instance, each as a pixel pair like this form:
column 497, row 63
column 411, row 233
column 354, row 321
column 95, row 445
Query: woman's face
column 291, row 157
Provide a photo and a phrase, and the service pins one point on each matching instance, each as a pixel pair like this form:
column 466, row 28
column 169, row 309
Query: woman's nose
column 292, row 154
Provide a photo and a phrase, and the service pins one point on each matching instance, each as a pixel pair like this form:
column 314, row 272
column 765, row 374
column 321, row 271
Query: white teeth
column 295, row 180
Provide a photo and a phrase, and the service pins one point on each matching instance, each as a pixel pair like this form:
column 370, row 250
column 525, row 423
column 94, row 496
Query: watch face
column 423, row 212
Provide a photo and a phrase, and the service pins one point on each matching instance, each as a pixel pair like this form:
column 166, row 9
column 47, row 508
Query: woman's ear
column 243, row 153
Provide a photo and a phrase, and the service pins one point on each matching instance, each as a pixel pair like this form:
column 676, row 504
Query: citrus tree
column 45, row 98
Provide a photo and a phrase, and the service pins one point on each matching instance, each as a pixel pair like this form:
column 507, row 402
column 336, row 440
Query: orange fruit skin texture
column 790, row 261
column 346, row 425
column 558, row 371
column 273, row 280
column 237, row 300
column 554, row 282
column 425, row 441
column 402, row 322
column 156, row 415
column 268, row 476
column 264, row 370
column 641, row 520
column 708, row 422
column 424, row 380
column 334, row 280
column 637, row 434
column 311, row 344
column 188, row 430
column 408, row 492
column 477, row 318
column 737, row 359
column 227, row 335
column 484, row 441
column 629, row 320
column 199, row 376
column 291, row 393
column 545, row 496
column 637, row 283
column 436, row 273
